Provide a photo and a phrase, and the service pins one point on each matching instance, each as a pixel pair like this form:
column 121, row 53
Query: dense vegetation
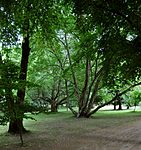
column 79, row 54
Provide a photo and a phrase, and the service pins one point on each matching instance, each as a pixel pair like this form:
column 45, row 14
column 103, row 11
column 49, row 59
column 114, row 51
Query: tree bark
column 119, row 105
column 54, row 106
column 82, row 100
column 16, row 124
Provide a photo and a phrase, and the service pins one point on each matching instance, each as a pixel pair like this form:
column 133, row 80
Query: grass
column 64, row 123
column 67, row 115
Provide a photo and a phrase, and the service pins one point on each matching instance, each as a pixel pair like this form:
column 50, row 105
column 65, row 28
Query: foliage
column 8, row 86
column 119, row 33
column 21, row 21
column 81, row 53
column 133, row 98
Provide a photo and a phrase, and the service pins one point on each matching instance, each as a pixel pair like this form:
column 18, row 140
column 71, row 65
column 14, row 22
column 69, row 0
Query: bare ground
column 116, row 132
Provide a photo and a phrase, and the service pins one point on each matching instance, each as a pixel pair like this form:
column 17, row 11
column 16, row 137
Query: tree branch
column 113, row 99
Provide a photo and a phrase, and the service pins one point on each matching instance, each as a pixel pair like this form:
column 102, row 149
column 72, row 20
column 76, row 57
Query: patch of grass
column 62, row 123
column 118, row 113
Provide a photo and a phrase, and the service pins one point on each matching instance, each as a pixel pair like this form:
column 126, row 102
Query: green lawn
column 51, row 126
column 67, row 115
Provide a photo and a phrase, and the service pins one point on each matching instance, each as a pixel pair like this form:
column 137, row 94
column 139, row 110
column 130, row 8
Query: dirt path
column 80, row 134
column 127, row 137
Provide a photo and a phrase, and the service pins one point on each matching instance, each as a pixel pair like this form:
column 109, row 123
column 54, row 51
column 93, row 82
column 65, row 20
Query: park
column 108, row 129
column 70, row 75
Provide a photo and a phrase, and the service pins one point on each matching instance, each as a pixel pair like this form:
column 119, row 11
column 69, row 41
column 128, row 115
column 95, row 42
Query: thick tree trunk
column 83, row 115
column 16, row 124
column 54, row 107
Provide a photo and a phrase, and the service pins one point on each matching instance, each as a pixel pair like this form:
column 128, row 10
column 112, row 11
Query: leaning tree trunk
column 16, row 124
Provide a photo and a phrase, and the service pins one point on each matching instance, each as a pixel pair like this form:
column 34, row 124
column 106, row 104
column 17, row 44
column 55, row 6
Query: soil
column 68, row 133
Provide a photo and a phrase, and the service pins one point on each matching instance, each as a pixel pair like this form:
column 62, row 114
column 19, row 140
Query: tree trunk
column 128, row 106
column 54, row 106
column 16, row 124
column 120, row 105
column 83, row 115
column 82, row 100
column 114, row 105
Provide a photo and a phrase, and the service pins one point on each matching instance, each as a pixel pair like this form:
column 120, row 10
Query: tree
column 133, row 98
column 120, row 31
column 8, row 79
column 51, row 61
column 22, row 18
column 117, row 34
column 101, row 54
